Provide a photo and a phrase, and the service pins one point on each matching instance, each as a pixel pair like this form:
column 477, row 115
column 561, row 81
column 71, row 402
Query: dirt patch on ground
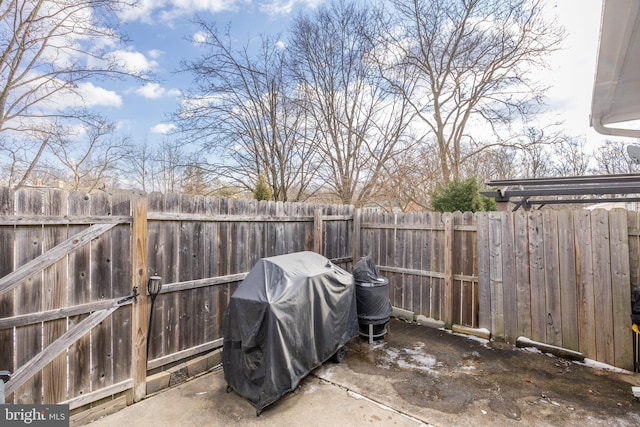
column 435, row 370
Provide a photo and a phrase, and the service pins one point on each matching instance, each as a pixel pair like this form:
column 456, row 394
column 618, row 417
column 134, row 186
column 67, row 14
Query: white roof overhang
column 616, row 91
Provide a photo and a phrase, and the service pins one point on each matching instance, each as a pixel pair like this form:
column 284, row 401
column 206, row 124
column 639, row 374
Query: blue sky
column 161, row 32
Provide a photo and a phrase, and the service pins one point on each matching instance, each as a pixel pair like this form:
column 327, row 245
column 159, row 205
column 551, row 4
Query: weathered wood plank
column 62, row 220
column 101, row 289
column 509, row 279
column 57, row 314
column 521, row 265
column 484, row 272
column 620, row 290
column 7, row 241
column 36, row 265
column 210, row 241
column 28, row 296
column 79, row 369
column 31, row 368
column 121, row 286
column 170, row 232
column 602, row 286
column 568, row 281
column 418, row 282
column 437, row 262
column 448, row 270
column 552, row 278
column 54, row 374
column 496, row 272
column 158, row 250
column 585, row 282
column 469, row 292
column 537, row 277
column 188, row 240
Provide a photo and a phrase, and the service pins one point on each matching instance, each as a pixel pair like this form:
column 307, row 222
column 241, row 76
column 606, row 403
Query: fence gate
column 70, row 261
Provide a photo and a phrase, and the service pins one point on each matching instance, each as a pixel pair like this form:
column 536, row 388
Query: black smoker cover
column 288, row 316
column 635, row 307
column 372, row 292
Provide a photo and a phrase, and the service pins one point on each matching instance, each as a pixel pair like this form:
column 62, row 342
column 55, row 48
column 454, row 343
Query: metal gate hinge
column 133, row 296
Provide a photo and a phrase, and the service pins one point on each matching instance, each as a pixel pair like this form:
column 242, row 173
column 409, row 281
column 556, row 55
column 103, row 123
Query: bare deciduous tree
column 49, row 53
column 612, row 158
column 361, row 122
column 467, row 68
column 573, row 159
column 88, row 160
column 243, row 112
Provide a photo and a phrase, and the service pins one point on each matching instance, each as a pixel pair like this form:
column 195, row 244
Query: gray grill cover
column 288, row 316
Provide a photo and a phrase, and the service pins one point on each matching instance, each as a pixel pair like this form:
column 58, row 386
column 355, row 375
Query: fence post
column 448, row 269
column 139, row 205
column 317, row 230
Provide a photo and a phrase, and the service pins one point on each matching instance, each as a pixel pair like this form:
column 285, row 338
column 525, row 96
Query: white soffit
column 616, row 91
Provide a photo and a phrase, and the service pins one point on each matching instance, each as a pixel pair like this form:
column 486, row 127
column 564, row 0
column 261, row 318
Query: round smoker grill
column 372, row 298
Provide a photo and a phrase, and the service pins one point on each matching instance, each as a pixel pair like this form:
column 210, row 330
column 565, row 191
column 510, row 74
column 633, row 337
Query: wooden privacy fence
column 71, row 332
column 70, row 329
column 561, row 277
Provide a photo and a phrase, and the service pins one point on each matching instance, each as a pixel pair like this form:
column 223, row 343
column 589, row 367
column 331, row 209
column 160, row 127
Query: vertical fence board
column 188, row 239
column 29, row 293
column 417, row 239
column 121, row 287
column 469, row 292
column 212, row 316
column 54, row 375
column 101, row 289
column 585, row 280
column 171, row 272
column 79, row 268
column 484, row 272
column 447, row 292
column 437, row 264
column 7, row 235
column 536, row 275
column 521, row 265
column 509, row 279
column 495, row 272
column 568, row 283
column 602, row 285
column 620, row 290
column 156, row 261
column 552, row 278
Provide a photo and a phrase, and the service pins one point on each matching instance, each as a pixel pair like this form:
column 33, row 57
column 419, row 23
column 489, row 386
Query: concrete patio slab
column 415, row 376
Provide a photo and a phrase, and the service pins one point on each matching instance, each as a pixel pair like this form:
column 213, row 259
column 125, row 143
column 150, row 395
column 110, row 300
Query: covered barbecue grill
column 288, row 316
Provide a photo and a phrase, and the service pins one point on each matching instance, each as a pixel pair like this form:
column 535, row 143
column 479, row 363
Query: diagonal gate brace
column 41, row 360
column 48, row 258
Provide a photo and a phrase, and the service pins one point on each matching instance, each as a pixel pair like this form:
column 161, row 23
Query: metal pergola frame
column 520, row 191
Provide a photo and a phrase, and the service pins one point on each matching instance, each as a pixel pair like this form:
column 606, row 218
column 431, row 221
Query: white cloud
column 163, row 128
column 281, row 44
column 155, row 53
column 199, row 37
column 285, row 7
column 132, row 61
column 168, row 10
column 155, row 91
column 83, row 95
column 95, row 96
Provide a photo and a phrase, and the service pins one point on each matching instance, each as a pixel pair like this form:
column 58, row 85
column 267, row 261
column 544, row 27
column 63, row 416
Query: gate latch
column 133, row 296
